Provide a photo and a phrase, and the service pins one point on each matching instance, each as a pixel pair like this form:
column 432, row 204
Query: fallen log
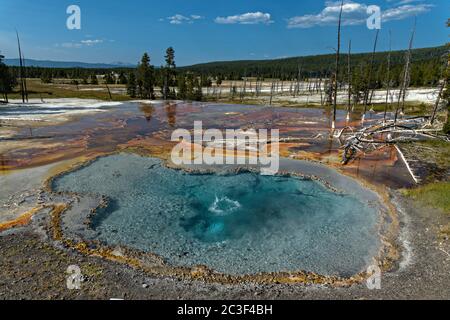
column 382, row 133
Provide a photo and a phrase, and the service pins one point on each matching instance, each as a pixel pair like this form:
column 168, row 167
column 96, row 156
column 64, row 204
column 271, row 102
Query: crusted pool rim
column 388, row 231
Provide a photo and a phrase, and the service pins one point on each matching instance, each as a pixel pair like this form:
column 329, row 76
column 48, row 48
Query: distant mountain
column 317, row 64
column 67, row 64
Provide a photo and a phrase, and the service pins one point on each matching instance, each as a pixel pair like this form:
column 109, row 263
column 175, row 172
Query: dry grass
column 435, row 195
column 39, row 90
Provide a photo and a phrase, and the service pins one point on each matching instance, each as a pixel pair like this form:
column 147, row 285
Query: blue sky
column 205, row 30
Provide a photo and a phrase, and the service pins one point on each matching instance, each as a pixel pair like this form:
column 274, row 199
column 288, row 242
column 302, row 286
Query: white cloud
column 180, row 19
column 405, row 11
column 246, row 18
column 91, row 42
column 354, row 13
column 80, row 44
column 405, row 1
column 69, row 45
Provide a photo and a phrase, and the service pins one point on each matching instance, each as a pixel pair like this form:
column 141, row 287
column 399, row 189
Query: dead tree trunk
column 372, row 90
column 25, row 78
column 441, row 90
column 388, row 75
column 243, row 91
column 109, row 91
column 166, row 84
column 438, row 102
column 297, row 87
column 321, row 91
column 271, row 92
column 22, row 88
column 349, row 71
column 406, row 76
column 369, row 77
column 336, row 75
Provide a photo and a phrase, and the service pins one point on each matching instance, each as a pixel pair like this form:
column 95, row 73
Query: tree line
column 187, row 82
column 426, row 67
column 7, row 80
column 142, row 81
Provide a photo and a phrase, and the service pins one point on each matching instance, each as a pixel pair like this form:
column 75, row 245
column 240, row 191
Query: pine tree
column 7, row 80
column 109, row 79
column 182, row 87
column 219, row 80
column 206, row 81
column 46, row 77
column 131, row 85
column 94, row 80
column 122, row 78
column 145, row 78
column 190, row 86
column 198, row 91
column 84, row 80
column 169, row 73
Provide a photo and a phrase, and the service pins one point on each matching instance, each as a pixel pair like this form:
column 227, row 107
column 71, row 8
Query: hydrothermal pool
column 233, row 223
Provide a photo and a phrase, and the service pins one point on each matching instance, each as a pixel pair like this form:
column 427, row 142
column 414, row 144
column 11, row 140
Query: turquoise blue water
column 237, row 224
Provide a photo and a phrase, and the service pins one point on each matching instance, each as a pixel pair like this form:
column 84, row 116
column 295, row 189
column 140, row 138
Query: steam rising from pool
column 237, row 224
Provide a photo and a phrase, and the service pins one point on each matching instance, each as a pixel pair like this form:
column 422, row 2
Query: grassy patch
column 411, row 108
column 435, row 151
column 91, row 270
column 436, row 195
column 39, row 90
column 445, row 230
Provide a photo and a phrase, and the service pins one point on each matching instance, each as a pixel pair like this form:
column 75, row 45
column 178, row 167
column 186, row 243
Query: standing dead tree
column 25, row 87
column 441, row 90
column 272, row 88
column 336, row 74
column 369, row 76
column 244, row 89
column 406, row 76
column 392, row 132
column 297, row 86
column 388, row 77
column 22, row 79
column 258, row 84
column 109, row 92
column 349, row 74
